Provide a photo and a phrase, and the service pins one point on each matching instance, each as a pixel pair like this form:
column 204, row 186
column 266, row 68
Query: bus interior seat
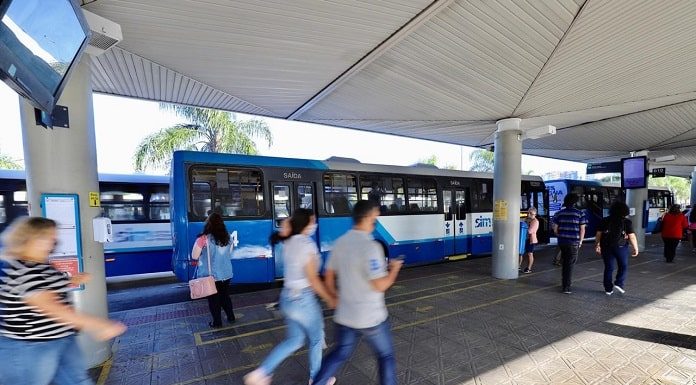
column 341, row 205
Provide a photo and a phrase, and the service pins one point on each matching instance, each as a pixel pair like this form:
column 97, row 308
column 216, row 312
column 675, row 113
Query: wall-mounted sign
column 659, row 172
column 65, row 210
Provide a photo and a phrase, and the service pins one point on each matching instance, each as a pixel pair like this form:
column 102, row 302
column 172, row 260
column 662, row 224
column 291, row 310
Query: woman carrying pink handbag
column 218, row 244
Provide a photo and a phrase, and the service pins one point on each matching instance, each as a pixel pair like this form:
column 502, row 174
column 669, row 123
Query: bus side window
column 340, row 193
column 421, row 195
column 159, row 206
column 201, row 199
column 230, row 191
column 482, row 196
column 3, row 212
column 385, row 190
column 123, row 206
column 20, row 205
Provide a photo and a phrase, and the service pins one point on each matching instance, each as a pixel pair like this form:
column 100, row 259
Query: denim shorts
column 529, row 247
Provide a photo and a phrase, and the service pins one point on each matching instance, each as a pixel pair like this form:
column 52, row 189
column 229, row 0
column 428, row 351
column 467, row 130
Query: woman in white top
column 298, row 300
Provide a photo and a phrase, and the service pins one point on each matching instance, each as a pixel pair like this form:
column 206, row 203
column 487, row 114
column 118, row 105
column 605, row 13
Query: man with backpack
column 614, row 234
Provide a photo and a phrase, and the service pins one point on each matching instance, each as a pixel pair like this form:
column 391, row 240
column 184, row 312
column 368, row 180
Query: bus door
column 540, row 200
column 593, row 203
column 288, row 196
column 4, row 200
column 457, row 240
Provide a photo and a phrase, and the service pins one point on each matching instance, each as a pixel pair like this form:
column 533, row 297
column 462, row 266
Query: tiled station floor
column 453, row 324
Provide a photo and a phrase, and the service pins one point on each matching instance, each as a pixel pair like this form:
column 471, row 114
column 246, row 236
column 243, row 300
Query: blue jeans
column 304, row 320
column 378, row 337
column 57, row 362
column 620, row 255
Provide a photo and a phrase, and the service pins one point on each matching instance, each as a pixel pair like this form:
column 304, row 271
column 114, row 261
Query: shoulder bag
column 205, row 286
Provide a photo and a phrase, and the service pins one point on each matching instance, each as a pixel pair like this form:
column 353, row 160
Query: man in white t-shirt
column 358, row 268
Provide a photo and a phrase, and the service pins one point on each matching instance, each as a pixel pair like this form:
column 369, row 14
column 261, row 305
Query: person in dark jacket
column 673, row 225
column 614, row 234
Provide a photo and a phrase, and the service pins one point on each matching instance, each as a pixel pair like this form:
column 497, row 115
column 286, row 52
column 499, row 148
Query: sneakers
column 609, row 292
column 526, row 270
column 619, row 289
column 257, row 377
column 567, row 291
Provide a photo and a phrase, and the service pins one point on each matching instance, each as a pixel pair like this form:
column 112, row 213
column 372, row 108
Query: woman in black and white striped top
column 37, row 320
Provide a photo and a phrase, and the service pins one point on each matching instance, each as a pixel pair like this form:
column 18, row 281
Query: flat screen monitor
column 634, row 172
column 40, row 41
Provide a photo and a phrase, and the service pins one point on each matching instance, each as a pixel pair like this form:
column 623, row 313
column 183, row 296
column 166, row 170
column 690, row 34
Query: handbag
column 205, row 286
column 658, row 226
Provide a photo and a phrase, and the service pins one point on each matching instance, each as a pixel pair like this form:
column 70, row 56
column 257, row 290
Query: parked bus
column 428, row 214
column 138, row 206
column 595, row 198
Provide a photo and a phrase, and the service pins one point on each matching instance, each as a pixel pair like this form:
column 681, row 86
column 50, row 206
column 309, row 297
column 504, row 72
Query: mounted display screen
column 40, row 41
column 634, row 172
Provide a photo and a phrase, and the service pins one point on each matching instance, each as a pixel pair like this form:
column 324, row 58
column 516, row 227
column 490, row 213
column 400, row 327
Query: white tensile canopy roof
column 614, row 76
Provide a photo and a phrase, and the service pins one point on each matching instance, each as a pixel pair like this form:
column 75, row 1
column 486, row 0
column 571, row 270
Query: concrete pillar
column 692, row 201
column 507, row 188
column 64, row 160
column 637, row 201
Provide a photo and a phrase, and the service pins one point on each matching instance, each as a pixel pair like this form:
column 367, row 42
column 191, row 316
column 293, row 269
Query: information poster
column 67, row 255
column 500, row 210
column 67, row 265
column 62, row 209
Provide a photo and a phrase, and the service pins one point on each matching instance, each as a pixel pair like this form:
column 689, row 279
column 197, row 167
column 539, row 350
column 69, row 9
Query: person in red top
column 673, row 225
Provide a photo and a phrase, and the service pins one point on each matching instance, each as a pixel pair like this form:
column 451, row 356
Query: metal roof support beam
column 424, row 16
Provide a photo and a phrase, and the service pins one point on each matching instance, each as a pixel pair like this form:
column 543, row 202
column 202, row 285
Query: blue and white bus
column 595, row 198
column 138, row 206
column 428, row 214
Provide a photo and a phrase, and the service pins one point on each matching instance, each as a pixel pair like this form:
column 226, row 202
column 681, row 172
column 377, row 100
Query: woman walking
column 38, row 323
column 532, row 228
column 673, row 225
column 614, row 234
column 298, row 300
column 216, row 242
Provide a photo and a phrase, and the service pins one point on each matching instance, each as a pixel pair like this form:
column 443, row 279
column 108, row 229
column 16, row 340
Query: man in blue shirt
column 569, row 225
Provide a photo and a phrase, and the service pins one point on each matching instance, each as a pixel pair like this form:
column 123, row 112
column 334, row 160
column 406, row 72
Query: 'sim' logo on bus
column 482, row 222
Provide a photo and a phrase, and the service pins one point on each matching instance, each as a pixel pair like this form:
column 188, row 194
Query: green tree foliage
column 481, row 160
column 7, row 163
column 207, row 130
column 432, row 160
column 680, row 187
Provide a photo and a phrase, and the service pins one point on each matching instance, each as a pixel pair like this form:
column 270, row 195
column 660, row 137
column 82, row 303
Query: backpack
column 615, row 234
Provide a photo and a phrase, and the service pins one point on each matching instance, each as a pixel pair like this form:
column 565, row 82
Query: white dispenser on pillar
column 103, row 231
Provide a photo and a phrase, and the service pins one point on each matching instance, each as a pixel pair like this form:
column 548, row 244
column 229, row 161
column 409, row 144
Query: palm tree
column 7, row 163
column 482, row 160
column 207, row 130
